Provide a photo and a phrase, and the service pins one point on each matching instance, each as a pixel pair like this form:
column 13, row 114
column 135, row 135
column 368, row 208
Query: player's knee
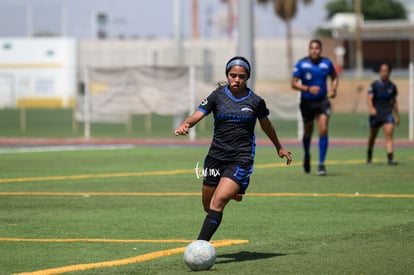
column 323, row 133
column 218, row 203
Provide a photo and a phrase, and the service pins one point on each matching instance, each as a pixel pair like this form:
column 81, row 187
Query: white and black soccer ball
column 200, row 255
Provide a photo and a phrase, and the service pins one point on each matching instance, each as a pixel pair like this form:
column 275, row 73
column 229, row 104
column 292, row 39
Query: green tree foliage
column 371, row 9
column 286, row 10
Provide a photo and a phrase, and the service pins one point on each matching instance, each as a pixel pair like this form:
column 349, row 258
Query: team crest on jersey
column 389, row 91
column 204, row 102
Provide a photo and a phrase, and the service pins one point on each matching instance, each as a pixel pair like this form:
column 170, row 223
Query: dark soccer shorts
column 378, row 120
column 215, row 169
column 312, row 108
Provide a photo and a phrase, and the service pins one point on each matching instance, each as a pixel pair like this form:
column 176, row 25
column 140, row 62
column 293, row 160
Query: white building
column 37, row 72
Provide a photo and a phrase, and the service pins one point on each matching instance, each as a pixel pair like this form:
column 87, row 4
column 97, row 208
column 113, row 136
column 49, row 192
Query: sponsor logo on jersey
column 308, row 76
column 323, row 66
column 247, row 109
column 306, row 65
column 236, row 118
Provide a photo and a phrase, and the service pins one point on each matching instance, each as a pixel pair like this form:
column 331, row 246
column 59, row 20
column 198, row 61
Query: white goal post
column 411, row 103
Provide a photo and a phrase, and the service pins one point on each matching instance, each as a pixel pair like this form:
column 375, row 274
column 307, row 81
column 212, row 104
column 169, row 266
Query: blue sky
column 141, row 18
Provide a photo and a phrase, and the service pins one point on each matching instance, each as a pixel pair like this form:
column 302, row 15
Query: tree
column 371, row 9
column 286, row 10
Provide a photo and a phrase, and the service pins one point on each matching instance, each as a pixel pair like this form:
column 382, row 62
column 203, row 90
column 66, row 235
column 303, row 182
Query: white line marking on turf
column 41, row 149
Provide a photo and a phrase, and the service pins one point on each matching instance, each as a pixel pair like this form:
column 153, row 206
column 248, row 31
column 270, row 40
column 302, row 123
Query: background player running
column 236, row 109
column 309, row 76
column 382, row 103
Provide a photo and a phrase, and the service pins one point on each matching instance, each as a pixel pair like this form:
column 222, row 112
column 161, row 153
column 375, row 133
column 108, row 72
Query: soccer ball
column 200, row 255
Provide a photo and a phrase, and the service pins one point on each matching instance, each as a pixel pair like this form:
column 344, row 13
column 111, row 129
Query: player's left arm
column 396, row 110
column 334, row 84
column 270, row 131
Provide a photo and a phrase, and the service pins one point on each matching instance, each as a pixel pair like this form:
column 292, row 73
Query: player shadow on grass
column 243, row 256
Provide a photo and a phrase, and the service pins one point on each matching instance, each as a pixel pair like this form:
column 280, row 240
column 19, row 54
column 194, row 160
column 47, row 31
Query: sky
column 143, row 18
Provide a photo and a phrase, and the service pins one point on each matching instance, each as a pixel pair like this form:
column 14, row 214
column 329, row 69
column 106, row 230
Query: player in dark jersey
column 229, row 162
column 382, row 103
column 309, row 77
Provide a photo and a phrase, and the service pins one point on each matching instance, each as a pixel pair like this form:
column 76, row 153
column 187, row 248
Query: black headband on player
column 237, row 61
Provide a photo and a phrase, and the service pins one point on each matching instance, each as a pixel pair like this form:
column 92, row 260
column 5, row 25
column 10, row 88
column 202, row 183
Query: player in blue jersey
column 229, row 162
column 310, row 78
column 382, row 104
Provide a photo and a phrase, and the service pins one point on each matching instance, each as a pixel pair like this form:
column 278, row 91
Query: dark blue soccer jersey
column 314, row 74
column 234, row 123
column 384, row 95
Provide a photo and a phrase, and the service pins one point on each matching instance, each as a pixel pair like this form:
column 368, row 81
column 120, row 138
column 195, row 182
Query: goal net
column 113, row 95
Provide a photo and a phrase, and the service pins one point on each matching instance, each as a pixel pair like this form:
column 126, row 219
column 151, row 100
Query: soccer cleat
column 306, row 164
column 369, row 161
column 321, row 170
column 392, row 162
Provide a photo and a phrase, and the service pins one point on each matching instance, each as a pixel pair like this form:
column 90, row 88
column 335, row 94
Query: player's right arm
column 205, row 107
column 188, row 123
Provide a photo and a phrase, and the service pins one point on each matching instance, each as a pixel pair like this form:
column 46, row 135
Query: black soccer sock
column 210, row 225
column 306, row 142
column 390, row 157
column 369, row 154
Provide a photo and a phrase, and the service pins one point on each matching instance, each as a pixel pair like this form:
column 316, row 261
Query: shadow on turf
column 243, row 256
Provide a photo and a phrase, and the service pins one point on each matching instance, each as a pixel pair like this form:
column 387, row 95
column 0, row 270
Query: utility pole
column 178, row 48
column 178, row 36
column 195, row 30
column 358, row 39
column 246, row 34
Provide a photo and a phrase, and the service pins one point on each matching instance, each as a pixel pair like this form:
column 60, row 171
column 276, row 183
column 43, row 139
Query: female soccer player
column 309, row 77
column 382, row 102
column 229, row 162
